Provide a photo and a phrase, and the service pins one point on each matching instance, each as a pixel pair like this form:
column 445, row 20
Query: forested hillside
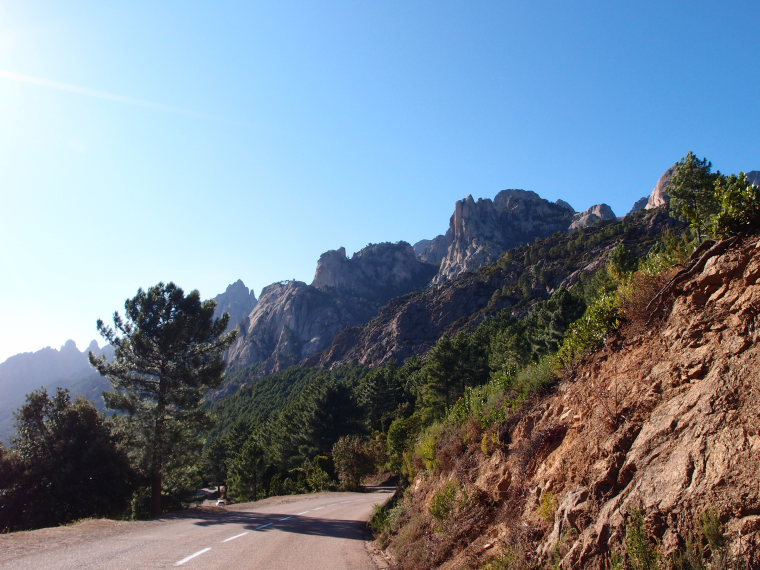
column 584, row 401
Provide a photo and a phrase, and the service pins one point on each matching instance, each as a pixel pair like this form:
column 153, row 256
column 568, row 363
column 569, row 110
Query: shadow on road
column 350, row 529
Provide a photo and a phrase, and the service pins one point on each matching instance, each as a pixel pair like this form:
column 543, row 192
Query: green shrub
column 427, row 446
column 641, row 551
column 444, row 501
column 739, row 206
column 536, row 376
column 587, row 334
column 548, row 507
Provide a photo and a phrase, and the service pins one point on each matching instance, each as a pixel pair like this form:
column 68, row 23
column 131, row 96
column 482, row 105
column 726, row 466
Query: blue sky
column 201, row 142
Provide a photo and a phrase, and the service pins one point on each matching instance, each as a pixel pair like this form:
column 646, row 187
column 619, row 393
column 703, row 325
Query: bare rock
column 237, row 300
column 659, row 196
column 593, row 216
column 484, row 229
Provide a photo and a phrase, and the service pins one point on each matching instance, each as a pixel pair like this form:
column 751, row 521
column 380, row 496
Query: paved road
column 322, row 531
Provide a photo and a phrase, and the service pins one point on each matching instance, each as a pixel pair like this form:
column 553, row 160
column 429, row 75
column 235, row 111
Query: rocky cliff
column 663, row 421
column 594, row 215
column 484, row 229
column 293, row 320
column 236, row 300
column 411, row 324
column 659, row 197
column 433, row 250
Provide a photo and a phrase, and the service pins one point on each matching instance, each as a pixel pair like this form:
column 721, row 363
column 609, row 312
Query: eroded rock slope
column 664, row 420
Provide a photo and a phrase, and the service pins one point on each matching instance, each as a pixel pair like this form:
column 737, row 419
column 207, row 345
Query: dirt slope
column 666, row 421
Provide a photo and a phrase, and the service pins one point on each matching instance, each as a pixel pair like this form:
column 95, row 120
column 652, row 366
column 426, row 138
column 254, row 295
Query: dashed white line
column 234, row 537
column 287, row 518
column 187, row 558
column 264, row 525
column 302, row 513
column 318, row 509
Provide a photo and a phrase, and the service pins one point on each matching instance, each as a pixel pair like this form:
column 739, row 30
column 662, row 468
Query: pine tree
column 692, row 192
column 168, row 354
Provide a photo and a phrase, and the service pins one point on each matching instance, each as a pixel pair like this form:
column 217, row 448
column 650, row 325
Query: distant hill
column 49, row 368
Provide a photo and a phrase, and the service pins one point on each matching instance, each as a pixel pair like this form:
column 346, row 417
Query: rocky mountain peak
column 659, row 197
column 639, row 205
column 237, row 300
column 383, row 269
column 592, row 216
column 482, row 230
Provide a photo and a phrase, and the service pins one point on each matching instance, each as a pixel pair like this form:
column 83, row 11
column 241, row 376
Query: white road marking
column 187, row 558
column 287, row 518
column 264, row 525
column 234, row 537
column 302, row 513
column 318, row 509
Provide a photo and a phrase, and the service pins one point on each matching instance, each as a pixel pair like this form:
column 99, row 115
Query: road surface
column 322, row 531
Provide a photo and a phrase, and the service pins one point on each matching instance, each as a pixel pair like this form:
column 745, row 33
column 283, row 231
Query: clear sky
column 202, row 142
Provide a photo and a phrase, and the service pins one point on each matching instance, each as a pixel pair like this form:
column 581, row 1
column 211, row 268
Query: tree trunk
column 155, row 495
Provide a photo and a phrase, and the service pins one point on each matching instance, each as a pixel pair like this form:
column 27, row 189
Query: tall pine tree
column 168, row 354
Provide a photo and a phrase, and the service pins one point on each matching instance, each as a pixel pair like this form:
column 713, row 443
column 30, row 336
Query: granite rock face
column 410, row 325
column 484, row 229
column 237, row 300
column 379, row 271
column 293, row 320
column 659, row 196
column 592, row 216
column 754, row 177
column 639, row 205
column 433, row 250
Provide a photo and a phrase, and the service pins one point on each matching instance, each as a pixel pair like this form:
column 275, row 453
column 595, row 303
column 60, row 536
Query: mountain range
column 388, row 300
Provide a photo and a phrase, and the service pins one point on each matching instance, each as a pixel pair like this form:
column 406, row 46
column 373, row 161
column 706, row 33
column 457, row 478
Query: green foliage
column 450, row 367
column 673, row 249
column 590, row 332
column 641, row 551
column 168, row 353
column 547, row 507
column 427, row 446
column 65, row 465
column 263, row 398
column 354, row 457
column 622, row 262
column 692, row 196
column 547, row 323
column 443, row 502
column 312, row 477
column 247, row 471
column 313, row 423
column 739, row 207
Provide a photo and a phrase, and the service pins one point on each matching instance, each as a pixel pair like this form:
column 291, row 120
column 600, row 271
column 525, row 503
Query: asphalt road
column 321, row 531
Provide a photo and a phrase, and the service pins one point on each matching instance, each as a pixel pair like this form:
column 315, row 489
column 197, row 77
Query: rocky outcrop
column 484, row 229
column 639, row 205
column 293, row 320
column 659, row 196
column 433, row 250
column 237, row 300
column 662, row 420
column 593, row 216
column 754, row 177
column 411, row 324
column 377, row 272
